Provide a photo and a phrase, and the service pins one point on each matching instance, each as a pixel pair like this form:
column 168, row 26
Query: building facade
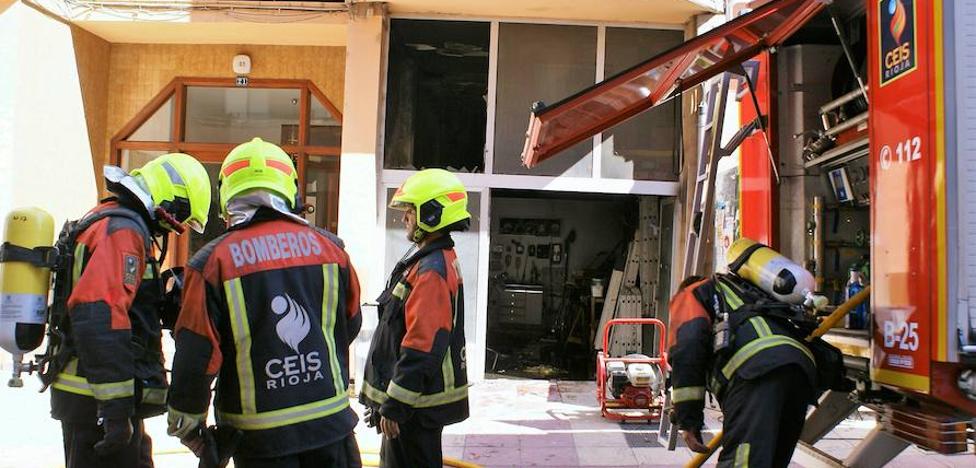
column 363, row 94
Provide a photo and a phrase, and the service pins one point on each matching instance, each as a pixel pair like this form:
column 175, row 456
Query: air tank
column 24, row 286
column 770, row 271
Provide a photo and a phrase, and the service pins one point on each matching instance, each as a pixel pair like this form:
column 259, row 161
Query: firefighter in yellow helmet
column 104, row 359
column 269, row 311
column 416, row 376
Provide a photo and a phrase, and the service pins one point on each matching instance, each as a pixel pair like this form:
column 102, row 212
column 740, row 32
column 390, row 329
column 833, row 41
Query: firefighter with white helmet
column 269, row 311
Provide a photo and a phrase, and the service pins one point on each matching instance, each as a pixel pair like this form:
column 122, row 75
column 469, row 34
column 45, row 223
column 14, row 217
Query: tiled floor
column 517, row 423
column 514, row 423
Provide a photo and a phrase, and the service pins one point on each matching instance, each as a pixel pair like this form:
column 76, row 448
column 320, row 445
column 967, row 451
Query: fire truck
column 856, row 157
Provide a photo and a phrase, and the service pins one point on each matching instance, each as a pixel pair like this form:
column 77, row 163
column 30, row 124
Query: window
column 446, row 78
column 436, row 95
column 645, row 146
column 221, row 115
column 216, row 116
column 158, row 127
column 322, row 191
column 540, row 62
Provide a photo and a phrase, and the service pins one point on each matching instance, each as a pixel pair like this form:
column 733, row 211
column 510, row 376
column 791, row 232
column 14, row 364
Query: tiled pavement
column 518, row 423
column 514, row 423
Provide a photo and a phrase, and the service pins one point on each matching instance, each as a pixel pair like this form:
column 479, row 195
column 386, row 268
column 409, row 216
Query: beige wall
column 92, row 56
column 133, row 73
column 44, row 147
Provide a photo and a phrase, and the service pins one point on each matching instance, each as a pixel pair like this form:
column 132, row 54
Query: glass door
column 322, row 192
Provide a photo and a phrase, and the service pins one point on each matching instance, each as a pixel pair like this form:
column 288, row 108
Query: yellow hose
column 840, row 312
column 700, row 458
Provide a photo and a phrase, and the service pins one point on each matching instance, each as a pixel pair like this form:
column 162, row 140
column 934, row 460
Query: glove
column 118, row 433
column 183, row 425
column 372, row 417
column 693, row 439
column 206, row 449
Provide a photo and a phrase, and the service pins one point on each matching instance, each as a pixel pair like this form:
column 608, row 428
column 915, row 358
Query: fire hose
column 700, row 458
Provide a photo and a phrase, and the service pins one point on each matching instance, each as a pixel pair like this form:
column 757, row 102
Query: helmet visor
column 195, row 225
column 400, row 205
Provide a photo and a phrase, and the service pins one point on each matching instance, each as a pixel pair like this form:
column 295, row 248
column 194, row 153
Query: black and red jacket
column 759, row 344
column 114, row 366
column 416, row 364
column 269, row 310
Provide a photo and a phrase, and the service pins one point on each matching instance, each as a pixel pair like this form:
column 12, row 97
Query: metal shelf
column 841, row 154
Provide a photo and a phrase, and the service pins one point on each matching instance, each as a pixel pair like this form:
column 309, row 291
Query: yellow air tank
column 24, row 286
column 770, row 271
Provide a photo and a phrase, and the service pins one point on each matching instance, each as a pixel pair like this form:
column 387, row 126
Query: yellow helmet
column 258, row 164
column 180, row 186
column 439, row 198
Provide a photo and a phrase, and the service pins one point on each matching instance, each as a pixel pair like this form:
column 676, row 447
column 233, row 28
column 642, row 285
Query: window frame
column 489, row 178
column 215, row 152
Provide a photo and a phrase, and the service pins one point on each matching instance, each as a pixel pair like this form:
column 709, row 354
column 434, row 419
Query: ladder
column 700, row 223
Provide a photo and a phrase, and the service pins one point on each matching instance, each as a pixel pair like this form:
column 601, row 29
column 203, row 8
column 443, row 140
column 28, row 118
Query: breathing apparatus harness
column 735, row 301
column 61, row 259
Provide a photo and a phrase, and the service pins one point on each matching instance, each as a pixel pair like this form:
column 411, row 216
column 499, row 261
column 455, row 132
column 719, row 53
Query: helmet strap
column 171, row 222
column 418, row 235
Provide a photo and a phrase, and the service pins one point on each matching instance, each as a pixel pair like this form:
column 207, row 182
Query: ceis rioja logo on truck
column 896, row 34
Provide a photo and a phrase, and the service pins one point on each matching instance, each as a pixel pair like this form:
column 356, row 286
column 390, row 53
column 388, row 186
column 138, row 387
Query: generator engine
column 634, row 384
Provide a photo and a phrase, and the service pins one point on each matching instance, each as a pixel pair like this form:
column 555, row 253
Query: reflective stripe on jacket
column 269, row 310
column 416, row 365
column 112, row 328
column 759, row 344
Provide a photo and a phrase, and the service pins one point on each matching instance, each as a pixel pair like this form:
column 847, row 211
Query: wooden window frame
column 215, row 152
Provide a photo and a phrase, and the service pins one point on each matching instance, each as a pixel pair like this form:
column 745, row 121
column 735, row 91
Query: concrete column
column 360, row 220
column 359, row 215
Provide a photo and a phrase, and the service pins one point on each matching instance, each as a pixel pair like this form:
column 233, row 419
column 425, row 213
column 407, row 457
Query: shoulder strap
column 744, row 257
column 43, row 257
column 87, row 221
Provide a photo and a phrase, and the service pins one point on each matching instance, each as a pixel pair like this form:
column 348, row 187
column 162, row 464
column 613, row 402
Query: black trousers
column 341, row 454
column 416, row 447
column 79, row 447
column 763, row 418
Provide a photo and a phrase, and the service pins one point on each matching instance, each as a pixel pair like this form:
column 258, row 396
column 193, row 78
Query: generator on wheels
column 631, row 387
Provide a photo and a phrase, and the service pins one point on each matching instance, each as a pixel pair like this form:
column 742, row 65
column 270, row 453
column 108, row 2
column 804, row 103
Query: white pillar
column 45, row 153
column 360, row 209
column 359, row 206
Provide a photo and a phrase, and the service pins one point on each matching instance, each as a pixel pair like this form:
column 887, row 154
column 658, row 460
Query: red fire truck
column 876, row 177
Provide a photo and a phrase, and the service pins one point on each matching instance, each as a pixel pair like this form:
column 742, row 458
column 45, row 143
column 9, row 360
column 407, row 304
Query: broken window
column 437, row 86
column 645, row 146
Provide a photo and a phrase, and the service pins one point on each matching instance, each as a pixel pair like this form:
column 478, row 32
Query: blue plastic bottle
column 857, row 318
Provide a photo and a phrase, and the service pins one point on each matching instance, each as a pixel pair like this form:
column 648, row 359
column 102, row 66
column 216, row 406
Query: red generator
column 631, row 387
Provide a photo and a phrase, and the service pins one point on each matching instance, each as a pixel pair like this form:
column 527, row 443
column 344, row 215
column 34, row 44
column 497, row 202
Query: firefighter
column 269, row 311
column 106, row 366
column 415, row 378
column 753, row 362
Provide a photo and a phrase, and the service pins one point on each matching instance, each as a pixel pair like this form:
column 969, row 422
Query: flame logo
column 294, row 326
column 899, row 19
